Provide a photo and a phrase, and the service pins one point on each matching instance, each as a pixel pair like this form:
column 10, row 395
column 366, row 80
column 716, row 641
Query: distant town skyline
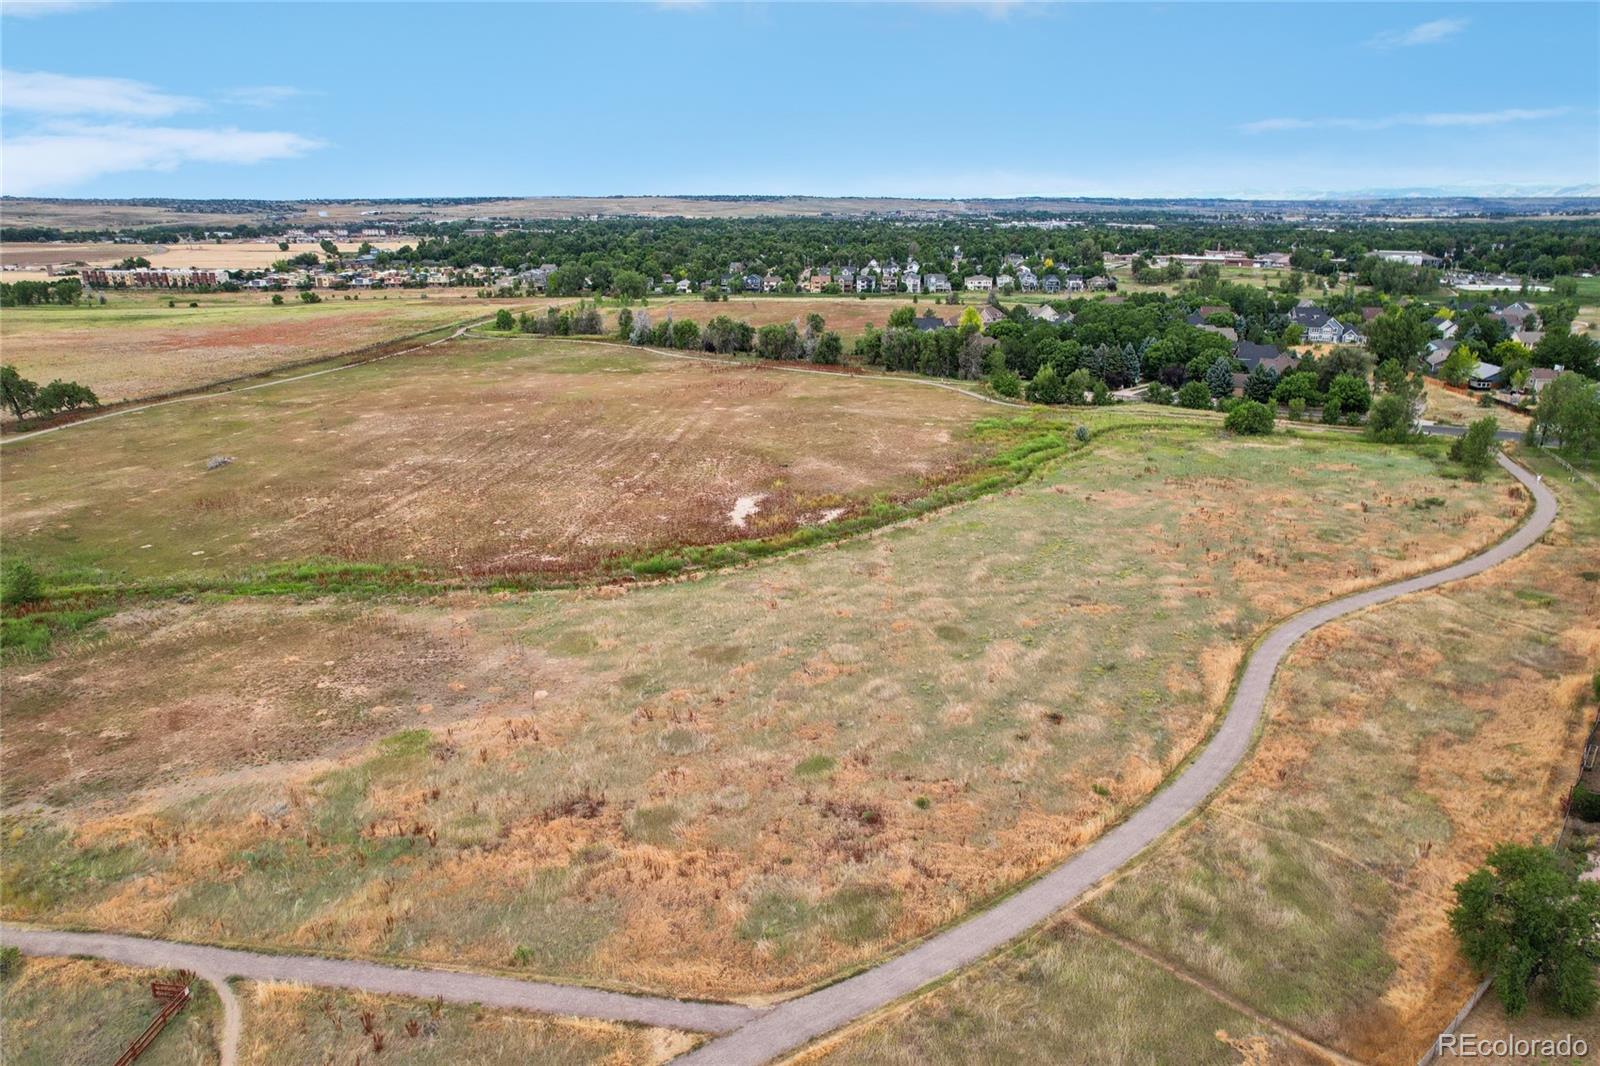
column 287, row 101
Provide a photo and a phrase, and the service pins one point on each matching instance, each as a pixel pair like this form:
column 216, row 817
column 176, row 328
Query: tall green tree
column 1526, row 920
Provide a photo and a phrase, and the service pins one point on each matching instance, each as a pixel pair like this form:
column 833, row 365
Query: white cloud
column 1384, row 122
column 1424, row 33
column 263, row 95
column 65, row 94
column 30, row 9
column 57, row 157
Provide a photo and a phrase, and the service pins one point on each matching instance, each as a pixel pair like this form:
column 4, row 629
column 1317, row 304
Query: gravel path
column 758, row 1036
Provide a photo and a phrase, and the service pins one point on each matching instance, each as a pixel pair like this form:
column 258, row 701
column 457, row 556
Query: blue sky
column 911, row 99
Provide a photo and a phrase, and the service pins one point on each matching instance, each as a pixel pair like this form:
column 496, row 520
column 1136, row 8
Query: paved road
column 758, row 1036
column 801, row 1020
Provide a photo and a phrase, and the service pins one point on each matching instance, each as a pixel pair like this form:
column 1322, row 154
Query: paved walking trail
column 756, row 1036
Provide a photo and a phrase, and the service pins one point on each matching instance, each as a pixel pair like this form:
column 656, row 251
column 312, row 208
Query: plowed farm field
column 134, row 346
column 477, row 456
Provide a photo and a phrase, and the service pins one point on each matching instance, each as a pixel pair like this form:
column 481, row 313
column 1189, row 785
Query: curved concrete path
column 802, row 1020
column 214, row 964
column 757, row 1036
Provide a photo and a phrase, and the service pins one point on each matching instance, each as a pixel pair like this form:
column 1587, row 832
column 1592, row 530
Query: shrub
column 1475, row 450
column 277, row 299
column 1158, row 393
column 10, row 962
column 1297, row 409
column 1046, row 387
column 1586, row 804
column 19, row 583
column 504, row 320
column 1082, row 434
column 1195, row 396
column 1249, row 418
column 1005, row 382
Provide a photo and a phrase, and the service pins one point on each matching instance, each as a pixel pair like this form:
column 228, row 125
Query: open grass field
column 479, row 456
column 293, row 1025
column 84, row 1012
column 228, row 255
column 724, row 786
column 134, row 346
column 1063, row 995
column 1402, row 745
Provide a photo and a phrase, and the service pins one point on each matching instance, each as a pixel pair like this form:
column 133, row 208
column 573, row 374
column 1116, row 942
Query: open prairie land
column 229, row 255
column 729, row 786
column 291, row 1025
column 1402, row 745
column 478, row 456
column 135, row 346
column 1311, row 895
column 1064, row 996
column 84, row 1012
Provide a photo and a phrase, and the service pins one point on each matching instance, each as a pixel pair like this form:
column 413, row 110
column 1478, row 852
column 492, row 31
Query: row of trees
column 23, row 397
column 34, row 293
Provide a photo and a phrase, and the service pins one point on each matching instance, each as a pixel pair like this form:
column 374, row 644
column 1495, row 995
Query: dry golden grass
column 291, row 1025
column 478, row 457
column 1454, row 408
column 1062, row 995
column 84, row 1012
column 1401, row 745
column 134, row 346
column 739, row 783
column 207, row 255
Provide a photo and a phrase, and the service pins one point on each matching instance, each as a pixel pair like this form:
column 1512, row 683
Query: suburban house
column 935, row 283
column 820, row 281
column 1272, row 261
column 1438, row 352
column 1446, row 326
column 846, row 279
column 1072, row 283
column 978, row 283
column 990, row 315
column 924, row 323
column 1100, row 283
column 683, row 286
column 1252, row 354
column 1052, row 283
column 1319, row 327
column 752, row 283
column 913, row 281
column 1045, row 312
column 1027, row 280
column 1528, row 338
column 1540, row 376
column 866, row 282
column 1198, row 318
column 1485, row 376
column 1004, row 281
column 771, row 283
